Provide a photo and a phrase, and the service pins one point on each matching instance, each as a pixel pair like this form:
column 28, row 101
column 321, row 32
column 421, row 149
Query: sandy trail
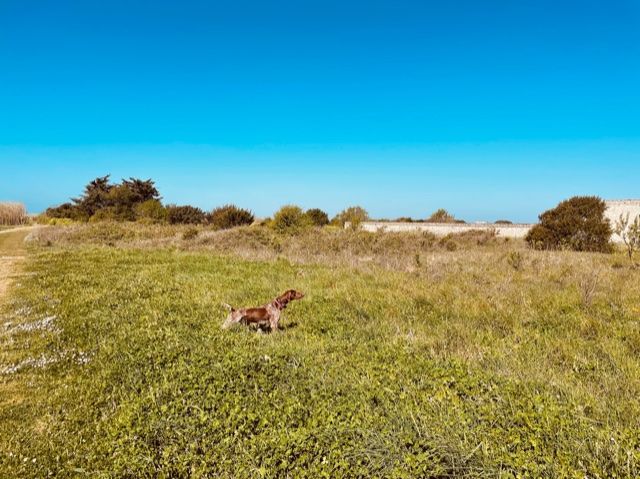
column 12, row 253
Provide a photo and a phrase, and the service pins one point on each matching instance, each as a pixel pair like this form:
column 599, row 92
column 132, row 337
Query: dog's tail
column 229, row 307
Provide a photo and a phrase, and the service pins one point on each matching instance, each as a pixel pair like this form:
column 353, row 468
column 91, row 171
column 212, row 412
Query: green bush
column 107, row 213
column 151, row 211
column 354, row 215
column 185, row 215
column 318, row 217
column 230, row 216
column 121, row 203
column 290, row 218
column 578, row 224
column 66, row 211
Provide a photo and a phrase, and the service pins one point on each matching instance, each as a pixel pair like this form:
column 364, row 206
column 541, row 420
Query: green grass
column 464, row 367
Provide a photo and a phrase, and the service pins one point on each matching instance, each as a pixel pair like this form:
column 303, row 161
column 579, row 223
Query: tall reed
column 12, row 214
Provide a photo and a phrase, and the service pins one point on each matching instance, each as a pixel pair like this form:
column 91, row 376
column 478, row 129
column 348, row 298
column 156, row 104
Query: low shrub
column 514, row 259
column 59, row 221
column 108, row 213
column 290, row 218
column 476, row 237
column 578, row 224
column 190, row 233
column 441, row 216
column 629, row 233
column 450, row 245
column 185, row 215
column 318, row 217
column 230, row 216
column 151, row 211
column 354, row 216
column 66, row 210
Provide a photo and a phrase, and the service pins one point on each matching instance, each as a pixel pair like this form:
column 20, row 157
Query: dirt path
column 12, row 253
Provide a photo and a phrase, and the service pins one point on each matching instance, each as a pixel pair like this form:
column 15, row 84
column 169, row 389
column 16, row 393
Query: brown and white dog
column 265, row 317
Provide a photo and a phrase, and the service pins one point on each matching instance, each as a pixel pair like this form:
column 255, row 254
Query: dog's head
column 289, row 295
column 293, row 294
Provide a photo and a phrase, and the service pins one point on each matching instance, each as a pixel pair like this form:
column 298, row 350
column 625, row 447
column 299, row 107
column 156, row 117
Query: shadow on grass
column 285, row 327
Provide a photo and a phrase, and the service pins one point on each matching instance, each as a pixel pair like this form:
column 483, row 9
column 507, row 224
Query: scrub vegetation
column 410, row 356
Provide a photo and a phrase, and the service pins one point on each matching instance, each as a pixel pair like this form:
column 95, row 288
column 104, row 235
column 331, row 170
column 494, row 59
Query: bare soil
column 12, row 253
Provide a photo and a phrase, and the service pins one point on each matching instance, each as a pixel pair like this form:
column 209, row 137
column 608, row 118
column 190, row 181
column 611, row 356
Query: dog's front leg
column 275, row 319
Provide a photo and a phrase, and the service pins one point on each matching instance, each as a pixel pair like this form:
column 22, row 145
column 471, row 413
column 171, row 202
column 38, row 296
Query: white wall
column 614, row 209
column 442, row 229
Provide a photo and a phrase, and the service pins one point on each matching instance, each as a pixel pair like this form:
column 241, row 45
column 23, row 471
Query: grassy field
column 410, row 356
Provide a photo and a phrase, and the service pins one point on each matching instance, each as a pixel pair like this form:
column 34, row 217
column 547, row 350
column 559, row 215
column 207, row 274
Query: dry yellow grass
column 13, row 214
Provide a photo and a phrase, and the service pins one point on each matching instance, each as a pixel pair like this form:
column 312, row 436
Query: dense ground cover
column 328, row 245
column 480, row 360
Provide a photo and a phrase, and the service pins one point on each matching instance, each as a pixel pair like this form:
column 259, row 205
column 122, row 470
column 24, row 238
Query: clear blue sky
column 490, row 109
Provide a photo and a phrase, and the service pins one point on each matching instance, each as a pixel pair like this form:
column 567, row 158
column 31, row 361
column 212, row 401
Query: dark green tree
column 141, row 190
column 95, row 196
column 578, row 224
